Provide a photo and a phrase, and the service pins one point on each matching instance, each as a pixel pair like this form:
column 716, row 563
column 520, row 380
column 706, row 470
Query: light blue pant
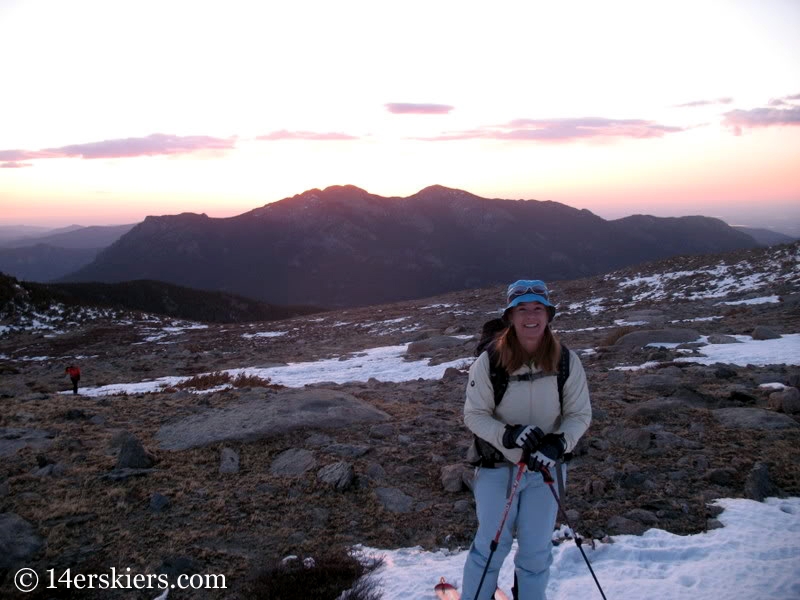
column 532, row 516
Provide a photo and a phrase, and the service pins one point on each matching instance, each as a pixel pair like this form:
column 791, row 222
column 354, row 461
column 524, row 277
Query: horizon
column 785, row 224
column 244, row 105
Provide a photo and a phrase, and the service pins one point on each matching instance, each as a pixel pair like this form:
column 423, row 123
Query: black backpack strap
column 563, row 373
column 497, row 375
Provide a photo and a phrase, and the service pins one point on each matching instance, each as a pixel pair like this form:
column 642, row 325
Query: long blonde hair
column 511, row 355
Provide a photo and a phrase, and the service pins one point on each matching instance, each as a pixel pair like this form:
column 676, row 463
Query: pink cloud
column 14, row 165
column 697, row 103
column 152, row 145
column 786, row 116
column 305, row 135
column 564, row 130
column 406, row 108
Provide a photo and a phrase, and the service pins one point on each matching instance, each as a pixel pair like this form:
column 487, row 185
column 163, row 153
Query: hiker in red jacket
column 74, row 375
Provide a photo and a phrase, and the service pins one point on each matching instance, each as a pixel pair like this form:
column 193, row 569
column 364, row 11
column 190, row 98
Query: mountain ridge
column 343, row 246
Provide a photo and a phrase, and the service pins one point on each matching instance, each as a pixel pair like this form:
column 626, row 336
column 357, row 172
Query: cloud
column 152, row 145
column 696, row 103
column 564, row 130
column 14, row 165
column 781, row 112
column 305, row 135
column 406, row 108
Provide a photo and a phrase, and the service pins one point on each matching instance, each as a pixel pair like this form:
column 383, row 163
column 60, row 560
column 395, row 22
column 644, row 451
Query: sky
column 112, row 111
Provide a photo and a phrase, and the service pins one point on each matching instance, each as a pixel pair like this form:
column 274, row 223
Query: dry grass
column 221, row 378
column 317, row 578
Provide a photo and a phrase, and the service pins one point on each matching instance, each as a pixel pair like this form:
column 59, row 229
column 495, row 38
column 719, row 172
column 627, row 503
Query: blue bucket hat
column 529, row 290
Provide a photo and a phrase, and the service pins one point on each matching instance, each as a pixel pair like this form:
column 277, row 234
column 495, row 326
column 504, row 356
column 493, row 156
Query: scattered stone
column 452, row 479
column 159, row 502
column 293, row 463
column 394, row 500
column 639, row 339
column 339, row 476
column 753, row 418
column 15, row 438
column 228, row 461
column 618, row 525
column 132, row 455
column 19, row 542
column 786, row 400
column 759, row 485
column 764, row 333
column 722, row 339
column 724, row 476
column 268, row 417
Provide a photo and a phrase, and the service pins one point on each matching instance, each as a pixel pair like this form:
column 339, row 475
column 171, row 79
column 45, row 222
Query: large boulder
column 673, row 335
column 270, row 416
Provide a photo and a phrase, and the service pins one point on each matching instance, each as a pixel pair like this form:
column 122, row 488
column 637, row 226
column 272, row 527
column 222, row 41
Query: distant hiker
column 75, row 376
column 536, row 418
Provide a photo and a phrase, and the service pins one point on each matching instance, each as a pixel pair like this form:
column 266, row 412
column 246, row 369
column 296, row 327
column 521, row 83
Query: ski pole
column 548, row 479
column 496, row 540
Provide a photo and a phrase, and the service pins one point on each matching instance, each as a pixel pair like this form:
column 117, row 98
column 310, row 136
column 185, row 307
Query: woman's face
column 529, row 320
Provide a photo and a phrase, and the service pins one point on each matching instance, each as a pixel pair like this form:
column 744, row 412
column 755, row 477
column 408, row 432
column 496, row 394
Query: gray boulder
column 18, row 541
column 673, row 335
column 269, row 416
column 293, row 463
column 764, row 333
column 753, row 418
column 132, row 455
column 394, row 500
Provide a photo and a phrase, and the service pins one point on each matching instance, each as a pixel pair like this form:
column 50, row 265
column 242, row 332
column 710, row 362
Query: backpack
column 488, row 455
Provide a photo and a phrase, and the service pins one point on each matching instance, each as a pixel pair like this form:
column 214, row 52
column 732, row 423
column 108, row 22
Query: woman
column 531, row 425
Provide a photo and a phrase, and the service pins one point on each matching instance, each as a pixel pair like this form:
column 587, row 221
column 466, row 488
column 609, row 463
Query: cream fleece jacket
column 527, row 403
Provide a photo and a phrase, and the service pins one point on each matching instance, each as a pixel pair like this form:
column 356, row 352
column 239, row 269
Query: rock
column 753, row 418
column 15, row 438
column 394, row 500
column 347, row 450
column 159, row 502
column 382, row 432
column 764, row 333
column 722, row 339
column 786, row 400
column 376, row 472
column 622, row 526
column 293, row 463
column 339, row 476
column 724, row 372
column 675, row 335
column 228, row 461
column 454, row 329
column 759, row 485
column 452, row 478
column 132, row 455
column 654, row 410
column 269, row 417
column 651, row 316
column 19, row 542
column 723, row 476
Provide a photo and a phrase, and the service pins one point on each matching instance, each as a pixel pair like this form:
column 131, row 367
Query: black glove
column 522, row 436
column 549, row 451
